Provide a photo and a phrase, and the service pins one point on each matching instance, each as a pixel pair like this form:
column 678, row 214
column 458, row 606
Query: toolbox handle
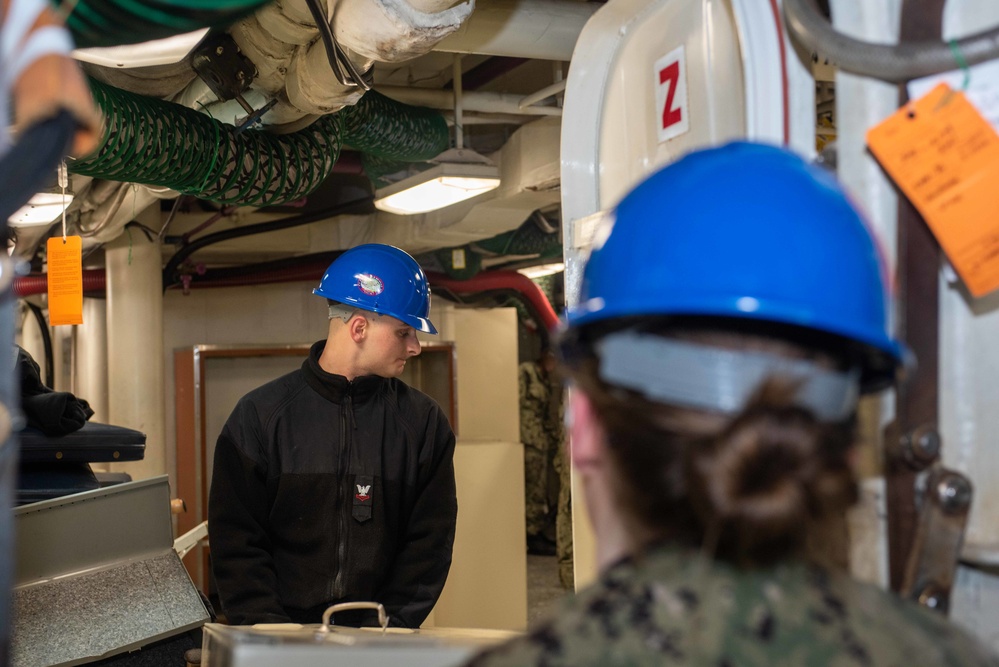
column 348, row 606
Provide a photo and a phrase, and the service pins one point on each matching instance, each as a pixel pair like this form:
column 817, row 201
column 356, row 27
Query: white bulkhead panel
column 652, row 80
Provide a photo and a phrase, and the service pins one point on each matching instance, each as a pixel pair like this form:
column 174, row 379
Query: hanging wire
column 961, row 62
column 63, row 177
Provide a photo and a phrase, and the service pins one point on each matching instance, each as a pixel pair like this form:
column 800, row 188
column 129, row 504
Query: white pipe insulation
column 504, row 103
column 282, row 40
column 542, row 29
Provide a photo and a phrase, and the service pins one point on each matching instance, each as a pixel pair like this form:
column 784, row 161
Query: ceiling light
column 542, row 270
column 458, row 174
column 42, row 209
column 442, row 185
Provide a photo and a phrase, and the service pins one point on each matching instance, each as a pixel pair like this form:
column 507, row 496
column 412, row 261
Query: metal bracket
column 220, row 64
column 929, row 573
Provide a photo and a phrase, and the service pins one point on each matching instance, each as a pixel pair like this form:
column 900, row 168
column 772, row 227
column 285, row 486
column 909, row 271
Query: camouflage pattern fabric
column 674, row 608
column 542, row 433
column 563, row 518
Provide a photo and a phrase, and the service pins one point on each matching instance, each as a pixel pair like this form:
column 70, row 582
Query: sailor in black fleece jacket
column 335, row 483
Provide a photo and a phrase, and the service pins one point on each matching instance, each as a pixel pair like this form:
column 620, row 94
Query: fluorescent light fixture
column 42, row 209
column 542, row 270
column 442, row 185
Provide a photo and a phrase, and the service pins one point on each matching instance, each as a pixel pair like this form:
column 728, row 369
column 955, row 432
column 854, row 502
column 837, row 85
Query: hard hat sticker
column 370, row 284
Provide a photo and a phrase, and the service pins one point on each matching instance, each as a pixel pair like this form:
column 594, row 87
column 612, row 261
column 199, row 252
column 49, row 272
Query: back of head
column 732, row 309
column 380, row 279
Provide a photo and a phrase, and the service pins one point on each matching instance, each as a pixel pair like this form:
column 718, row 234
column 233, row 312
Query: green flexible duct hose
column 391, row 130
column 527, row 239
column 154, row 142
column 115, row 22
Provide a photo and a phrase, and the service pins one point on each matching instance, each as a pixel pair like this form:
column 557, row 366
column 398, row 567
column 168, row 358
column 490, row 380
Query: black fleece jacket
column 326, row 490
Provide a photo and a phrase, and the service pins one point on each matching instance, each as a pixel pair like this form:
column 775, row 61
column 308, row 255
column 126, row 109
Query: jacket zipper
column 338, row 591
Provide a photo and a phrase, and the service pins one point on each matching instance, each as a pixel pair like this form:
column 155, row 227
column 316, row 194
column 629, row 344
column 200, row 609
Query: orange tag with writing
column 65, row 259
column 945, row 157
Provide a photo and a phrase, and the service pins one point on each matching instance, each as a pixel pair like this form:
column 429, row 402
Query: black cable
column 169, row 277
column 150, row 233
column 46, row 343
column 338, row 59
column 265, row 267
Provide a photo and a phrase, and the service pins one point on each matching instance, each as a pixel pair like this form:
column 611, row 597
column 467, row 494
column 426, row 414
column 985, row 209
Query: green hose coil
column 154, row 142
column 116, row 22
column 528, row 239
column 391, row 130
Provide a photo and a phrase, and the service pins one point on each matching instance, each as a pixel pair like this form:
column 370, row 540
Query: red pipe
column 497, row 280
column 94, row 280
column 37, row 283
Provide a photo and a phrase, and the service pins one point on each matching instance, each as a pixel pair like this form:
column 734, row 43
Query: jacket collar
column 334, row 387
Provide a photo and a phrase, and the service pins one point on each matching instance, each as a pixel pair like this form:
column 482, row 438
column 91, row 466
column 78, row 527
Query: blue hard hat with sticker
column 381, row 279
column 745, row 231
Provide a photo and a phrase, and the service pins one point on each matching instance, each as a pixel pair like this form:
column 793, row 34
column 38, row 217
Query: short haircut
column 341, row 311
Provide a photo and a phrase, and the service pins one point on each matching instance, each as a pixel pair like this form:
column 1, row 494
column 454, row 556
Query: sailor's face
column 388, row 345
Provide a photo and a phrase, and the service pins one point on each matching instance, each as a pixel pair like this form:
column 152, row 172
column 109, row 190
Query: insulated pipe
column 543, row 94
column 394, row 30
column 894, row 63
column 539, row 29
column 501, row 280
column 135, row 343
column 92, row 356
column 470, row 101
column 312, row 267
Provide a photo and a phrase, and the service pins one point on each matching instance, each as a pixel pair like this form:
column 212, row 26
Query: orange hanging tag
column 945, row 158
column 65, row 259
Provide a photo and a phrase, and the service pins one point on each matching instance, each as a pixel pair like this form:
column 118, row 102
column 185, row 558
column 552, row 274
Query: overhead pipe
column 501, row 280
column 294, row 66
column 396, row 30
column 171, row 276
column 537, row 29
column 94, row 280
column 894, row 63
column 311, row 267
column 543, row 94
column 470, row 101
column 487, row 72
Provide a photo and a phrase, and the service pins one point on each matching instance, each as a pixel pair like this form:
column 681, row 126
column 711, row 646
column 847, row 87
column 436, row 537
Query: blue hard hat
column 381, row 279
column 744, row 231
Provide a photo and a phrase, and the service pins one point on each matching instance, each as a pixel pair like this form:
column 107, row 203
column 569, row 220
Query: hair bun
column 754, row 486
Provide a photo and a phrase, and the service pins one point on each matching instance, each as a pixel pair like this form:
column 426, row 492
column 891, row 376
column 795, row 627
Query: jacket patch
column 363, row 492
